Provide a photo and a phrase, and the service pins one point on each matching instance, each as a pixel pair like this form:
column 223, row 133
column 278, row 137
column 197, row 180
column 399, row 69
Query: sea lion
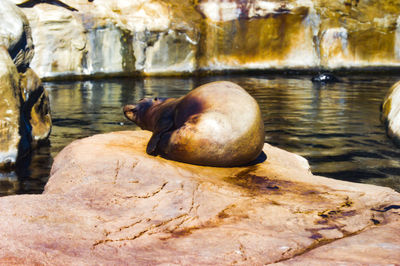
column 324, row 78
column 216, row 124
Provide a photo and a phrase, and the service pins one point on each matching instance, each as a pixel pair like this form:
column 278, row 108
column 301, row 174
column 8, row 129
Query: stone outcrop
column 108, row 202
column 36, row 107
column 24, row 104
column 9, row 109
column 390, row 114
column 165, row 37
column 15, row 34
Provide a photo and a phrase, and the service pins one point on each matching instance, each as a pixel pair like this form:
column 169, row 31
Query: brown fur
column 217, row 124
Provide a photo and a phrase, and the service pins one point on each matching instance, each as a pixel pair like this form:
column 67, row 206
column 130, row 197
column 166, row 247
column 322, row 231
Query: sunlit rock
column 164, row 34
column 36, row 107
column 9, row 109
column 24, row 109
column 334, row 48
column 362, row 33
column 391, row 112
column 123, row 206
column 171, row 52
column 165, row 37
column 113, row 38
column 397, row 43
column 258, row 35
column 109, row 51
column 220, row 10
column 15, row 34
column 59, row 39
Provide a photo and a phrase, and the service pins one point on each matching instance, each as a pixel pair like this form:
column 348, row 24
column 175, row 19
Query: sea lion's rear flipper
column 162, row 127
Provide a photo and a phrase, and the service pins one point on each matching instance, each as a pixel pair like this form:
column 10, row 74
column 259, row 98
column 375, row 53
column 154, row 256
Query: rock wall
column 165, row 37
column 108, row 38
column 24, row 105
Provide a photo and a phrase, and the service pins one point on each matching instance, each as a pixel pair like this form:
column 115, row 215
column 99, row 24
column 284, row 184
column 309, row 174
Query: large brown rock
column 9, row 109
column 108, row 202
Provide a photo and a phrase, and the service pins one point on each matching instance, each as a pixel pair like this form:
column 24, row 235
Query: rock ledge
column 108, row 202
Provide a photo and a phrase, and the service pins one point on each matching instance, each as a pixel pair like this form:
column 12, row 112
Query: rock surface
column 15, row 34
column 391, row 112
column 108, row 202
column 24, row 105
column 166, row 37
column 9, row 109
column 36, row 107
column 113, row 37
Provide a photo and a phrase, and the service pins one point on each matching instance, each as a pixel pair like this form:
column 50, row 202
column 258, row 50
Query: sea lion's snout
column 130, row 112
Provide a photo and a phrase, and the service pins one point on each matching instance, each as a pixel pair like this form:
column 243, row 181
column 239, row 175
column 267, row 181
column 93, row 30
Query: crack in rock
column 124, row 227
column 153, row 193
column 147, row 230
column 148, row 195
column 319, row 243
column 322, row 242
column 188, row 217
column 387, row 208
column 117, row 169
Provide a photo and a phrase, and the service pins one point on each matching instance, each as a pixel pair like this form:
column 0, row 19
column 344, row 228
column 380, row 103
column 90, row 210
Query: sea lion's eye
column 155, row 99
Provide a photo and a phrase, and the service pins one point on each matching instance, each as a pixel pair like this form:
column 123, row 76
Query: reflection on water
column 336, row 127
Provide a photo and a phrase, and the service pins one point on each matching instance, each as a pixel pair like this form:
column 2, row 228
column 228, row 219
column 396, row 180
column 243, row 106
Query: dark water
column 336, row 127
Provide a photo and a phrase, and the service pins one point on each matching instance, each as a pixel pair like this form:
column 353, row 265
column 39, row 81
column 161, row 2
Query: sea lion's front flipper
column 152, row 145
column 163, row 126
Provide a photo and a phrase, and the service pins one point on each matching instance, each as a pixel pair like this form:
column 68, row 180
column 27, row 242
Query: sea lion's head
column 141, row 113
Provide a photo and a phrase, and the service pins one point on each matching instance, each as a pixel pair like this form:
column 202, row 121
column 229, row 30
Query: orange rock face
column 108, row 202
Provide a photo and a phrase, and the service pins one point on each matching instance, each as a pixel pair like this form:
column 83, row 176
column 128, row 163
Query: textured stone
column 165, row 37
column 36, row 107
column 378, row 246
column 15, row 34
column 112, row 38
column 108, row 202
column 258, row 35
column 24, row 108
column 171, row 52
column 59, row 39
column 9, row 109
column 391, row 112
column 367, row 32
